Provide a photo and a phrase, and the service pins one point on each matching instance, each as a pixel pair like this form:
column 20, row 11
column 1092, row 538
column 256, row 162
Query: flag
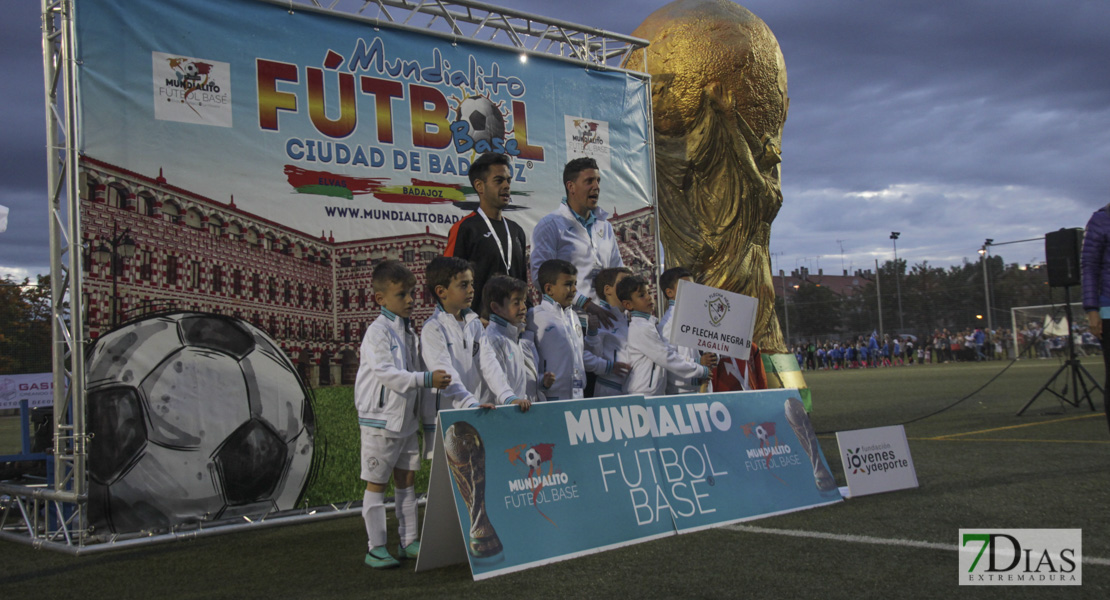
column 783, row 372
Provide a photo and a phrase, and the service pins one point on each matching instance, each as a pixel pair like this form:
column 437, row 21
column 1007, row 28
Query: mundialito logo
column 536, row 488
column 1021, row 557
column 588, row 138
column 191, row 90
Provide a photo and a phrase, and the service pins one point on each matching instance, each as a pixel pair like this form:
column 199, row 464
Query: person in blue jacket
column 1095, row 265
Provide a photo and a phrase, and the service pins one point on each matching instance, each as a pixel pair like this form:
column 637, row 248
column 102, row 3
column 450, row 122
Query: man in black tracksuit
column 485, row 237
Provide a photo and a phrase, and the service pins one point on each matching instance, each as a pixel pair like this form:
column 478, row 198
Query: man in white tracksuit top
column 578, row 232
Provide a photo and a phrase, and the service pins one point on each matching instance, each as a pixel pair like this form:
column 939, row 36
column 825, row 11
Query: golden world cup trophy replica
column 466, row 456
column 719, row 103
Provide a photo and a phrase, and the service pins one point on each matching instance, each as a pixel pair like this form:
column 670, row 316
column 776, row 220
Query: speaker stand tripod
column 1078, row 373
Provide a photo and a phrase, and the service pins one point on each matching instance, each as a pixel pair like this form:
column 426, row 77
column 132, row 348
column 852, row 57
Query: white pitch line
column 866, row 539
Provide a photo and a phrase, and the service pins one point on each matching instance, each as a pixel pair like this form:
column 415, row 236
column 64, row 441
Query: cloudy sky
column 951, row 122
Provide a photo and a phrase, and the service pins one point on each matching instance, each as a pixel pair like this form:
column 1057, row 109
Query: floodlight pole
column 785, row 308
column 879, row 297
column 898, row 280
column 986, row 282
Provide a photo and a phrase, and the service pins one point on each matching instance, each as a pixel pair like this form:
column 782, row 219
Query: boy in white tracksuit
column 449, row 340
column 558, row 333
column 388, row 392
column 507, row 362
column 651, row 357
column 669, row 282
column 612, row 340
column 453, row 345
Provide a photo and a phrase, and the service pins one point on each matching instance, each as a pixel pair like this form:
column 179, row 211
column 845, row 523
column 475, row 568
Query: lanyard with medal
column 506, row 257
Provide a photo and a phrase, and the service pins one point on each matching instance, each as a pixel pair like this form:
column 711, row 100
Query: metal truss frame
column 54, row 515
column 487, row 24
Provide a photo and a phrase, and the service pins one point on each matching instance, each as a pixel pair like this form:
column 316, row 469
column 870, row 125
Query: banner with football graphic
column 343, row 124
column 255, row 159
column 572, row 478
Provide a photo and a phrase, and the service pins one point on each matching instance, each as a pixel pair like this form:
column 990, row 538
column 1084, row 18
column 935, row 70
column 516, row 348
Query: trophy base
column 485, row 551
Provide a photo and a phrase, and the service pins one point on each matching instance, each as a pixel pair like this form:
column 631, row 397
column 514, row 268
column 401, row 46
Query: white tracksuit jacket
column 560, row 235
column 676, row 384
column 508, row 364
column 452, row 345
column 612, row 346
column 652, row 358
column 391, row 379
column 561, row 348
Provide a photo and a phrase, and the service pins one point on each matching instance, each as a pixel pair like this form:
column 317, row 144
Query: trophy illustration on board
column 803, row 428
column 466, row 456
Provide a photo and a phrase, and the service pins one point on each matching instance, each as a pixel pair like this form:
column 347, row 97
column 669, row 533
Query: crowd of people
column 943, row 346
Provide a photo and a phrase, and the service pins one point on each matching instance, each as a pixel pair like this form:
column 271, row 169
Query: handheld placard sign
column 713, row 320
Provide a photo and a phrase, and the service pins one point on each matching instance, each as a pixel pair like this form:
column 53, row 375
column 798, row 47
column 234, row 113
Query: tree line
column 25, row 335
column 933, row 298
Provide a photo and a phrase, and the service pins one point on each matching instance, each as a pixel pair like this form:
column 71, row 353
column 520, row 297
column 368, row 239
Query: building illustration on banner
column 309, row 292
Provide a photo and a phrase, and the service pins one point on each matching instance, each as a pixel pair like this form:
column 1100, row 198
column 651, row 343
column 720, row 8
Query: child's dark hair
column 441, row 270
column 630, row 285
column 607, row 277
column 498, row 289
column 576, row 166
column 669, row 279
column 550, row 271
column 391, row 271
column 481, row 166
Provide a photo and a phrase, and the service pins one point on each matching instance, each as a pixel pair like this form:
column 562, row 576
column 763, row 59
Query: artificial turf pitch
column 979, row 466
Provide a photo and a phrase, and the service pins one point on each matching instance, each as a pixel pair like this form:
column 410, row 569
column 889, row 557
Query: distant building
column 310, row 293
column 843, row 285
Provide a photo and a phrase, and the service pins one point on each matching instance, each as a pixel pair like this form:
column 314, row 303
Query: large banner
column 576, row 477
column 344, row 125
column 256, row 159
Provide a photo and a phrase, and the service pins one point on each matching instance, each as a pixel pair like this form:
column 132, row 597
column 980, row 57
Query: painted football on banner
column 532, row 459
column 485, row 118
column 194, row 417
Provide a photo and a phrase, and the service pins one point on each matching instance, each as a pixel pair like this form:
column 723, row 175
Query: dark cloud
column 23, row 117
column 932, row 93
